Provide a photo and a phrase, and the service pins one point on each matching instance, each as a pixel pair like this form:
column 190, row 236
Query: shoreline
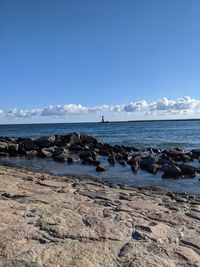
column 49, row 221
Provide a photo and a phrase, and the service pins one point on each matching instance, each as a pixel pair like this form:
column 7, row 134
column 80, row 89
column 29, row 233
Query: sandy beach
column 59, row 221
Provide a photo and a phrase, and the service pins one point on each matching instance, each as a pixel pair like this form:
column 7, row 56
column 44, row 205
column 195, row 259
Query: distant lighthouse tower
column 102, row 119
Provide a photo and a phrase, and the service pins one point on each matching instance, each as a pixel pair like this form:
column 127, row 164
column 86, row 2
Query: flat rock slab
column 49, row 221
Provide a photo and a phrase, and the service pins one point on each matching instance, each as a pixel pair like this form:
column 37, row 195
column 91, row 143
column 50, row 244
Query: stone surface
column 51, row 221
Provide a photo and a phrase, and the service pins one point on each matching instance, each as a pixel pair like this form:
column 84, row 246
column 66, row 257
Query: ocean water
column 159, row 134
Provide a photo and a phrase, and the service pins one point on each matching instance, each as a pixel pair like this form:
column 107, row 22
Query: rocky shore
column 74, row 147
column 51, row 221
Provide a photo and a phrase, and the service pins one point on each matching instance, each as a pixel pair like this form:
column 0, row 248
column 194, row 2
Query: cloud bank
column 164, row 106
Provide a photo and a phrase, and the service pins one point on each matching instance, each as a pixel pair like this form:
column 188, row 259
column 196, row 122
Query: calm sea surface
column 160, row 134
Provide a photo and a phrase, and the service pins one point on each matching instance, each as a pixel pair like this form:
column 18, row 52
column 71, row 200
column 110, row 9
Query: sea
column 184, row 134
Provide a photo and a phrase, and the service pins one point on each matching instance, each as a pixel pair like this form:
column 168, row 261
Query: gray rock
column 171, row 170
column 147, row 162
column 3, row 147
column 28, row 144
column 45, row 141
column 101, row 168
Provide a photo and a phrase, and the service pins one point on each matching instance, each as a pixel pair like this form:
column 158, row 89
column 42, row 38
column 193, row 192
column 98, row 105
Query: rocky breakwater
column 50, row 221
column 74, row 147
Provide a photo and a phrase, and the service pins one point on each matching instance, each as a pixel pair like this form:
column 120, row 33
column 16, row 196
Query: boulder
column 45, row 153
column 135, row 167
column 101, row 168
column 195, row 153
column 86, row 139
column 13, row 148
column 153, row 169
column 188, row 170
column 45, row 141
column 88, row 160
column 3, row 146
column 28, row 144
column 85, row 154
column 60, row 154
column 31, row 154
column 171, row 171
column 147, row 162
column 112, row 159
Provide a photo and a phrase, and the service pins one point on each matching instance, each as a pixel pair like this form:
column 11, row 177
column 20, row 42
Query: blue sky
column 98, row 52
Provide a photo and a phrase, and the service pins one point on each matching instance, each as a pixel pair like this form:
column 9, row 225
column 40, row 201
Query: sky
column 74, row 60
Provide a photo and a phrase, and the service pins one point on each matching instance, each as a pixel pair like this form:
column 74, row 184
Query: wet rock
column 153, row 169
column 46, row 152
column 85, row 154
column 31, row 154
column 123, row 163
column 3, row 146
column 86, row 139
column 171, row 171
column 188, row 170
column 196, row 153
column 112, row 159
column 88, row 160
column 135, row 167
column 147, row 162
column 101, row 168
column 60, row 154
column 28, row 144
column 13, row 148
column 45, row 141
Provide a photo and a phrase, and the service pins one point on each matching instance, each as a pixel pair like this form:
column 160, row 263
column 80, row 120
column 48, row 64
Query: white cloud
column 164, row 106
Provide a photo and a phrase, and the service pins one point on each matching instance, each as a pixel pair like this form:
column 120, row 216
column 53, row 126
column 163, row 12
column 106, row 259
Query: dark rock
column 28, row 144
column 4, row 154
column 135, row 167
column 112, row 159
column 86, row 139
column 123, row 163
column 153, row 169
column 60, row 154
column 101, row 168
column 88, row 160
column 147, row 162
column 70, row 160
column 188, row 170
column 171, row 171
column 46, row 153
column 3, row 146
column 119, row 156
column 45, row 141
column 74, row 139
column 31, row 154
column 85, row 154
column 13, row 148
column 196, row 153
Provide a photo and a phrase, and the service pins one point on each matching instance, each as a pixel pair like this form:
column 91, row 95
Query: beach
column 63, row 221
column 49, row 220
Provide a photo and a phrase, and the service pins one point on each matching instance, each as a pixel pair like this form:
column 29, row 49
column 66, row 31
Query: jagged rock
column 28, row 144
column 45, row 141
